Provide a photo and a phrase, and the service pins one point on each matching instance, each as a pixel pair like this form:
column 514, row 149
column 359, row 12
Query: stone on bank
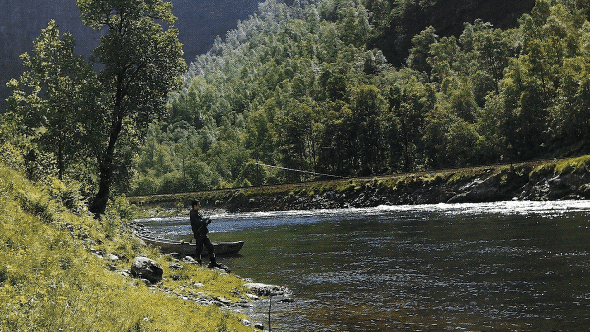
column 145, row 268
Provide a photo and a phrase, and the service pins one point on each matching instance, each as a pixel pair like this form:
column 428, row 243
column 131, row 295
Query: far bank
column 545, row 180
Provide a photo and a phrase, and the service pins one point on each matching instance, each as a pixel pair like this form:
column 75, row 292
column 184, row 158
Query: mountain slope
column 448, row 18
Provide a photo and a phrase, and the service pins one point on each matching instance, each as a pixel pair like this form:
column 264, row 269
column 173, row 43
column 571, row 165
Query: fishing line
column 301, row 171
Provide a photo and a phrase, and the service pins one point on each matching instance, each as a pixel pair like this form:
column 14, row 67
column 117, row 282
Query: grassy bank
column 58, row 270
column 288, row 195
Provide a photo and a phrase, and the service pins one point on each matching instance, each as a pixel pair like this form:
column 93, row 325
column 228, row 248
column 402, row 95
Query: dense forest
column 337, row 87
column 307, row 87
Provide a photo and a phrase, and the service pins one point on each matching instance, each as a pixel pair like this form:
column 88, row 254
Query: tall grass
column 56, row 274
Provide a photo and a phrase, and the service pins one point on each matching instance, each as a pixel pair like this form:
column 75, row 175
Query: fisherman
column 199, row 226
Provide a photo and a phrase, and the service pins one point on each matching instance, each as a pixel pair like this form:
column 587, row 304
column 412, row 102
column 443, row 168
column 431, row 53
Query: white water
column 231, row 222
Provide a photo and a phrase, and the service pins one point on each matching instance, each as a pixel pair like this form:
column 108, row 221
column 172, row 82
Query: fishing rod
column 301, row 171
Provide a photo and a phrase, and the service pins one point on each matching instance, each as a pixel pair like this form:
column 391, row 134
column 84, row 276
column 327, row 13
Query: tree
column 55, row 97
column 367, row 107
column 296, row 142
column 571, row 116
column 410, row 103
column 259, row 137
column 335, row 152
column 420, row 50
column 141, row 63
column 443, row 56
column 488, row 51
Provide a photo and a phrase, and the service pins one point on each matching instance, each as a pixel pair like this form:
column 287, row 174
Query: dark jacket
column 199, row 223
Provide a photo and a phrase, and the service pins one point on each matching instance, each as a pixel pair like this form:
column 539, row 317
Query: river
column 510, row 266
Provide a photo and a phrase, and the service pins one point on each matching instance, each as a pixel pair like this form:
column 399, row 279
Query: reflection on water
column 506, row 266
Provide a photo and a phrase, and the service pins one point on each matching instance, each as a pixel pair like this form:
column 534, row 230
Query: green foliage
column 301, row 87
column 89, row 124
column 54, row 101
column 460, row 176
column 11, row 156
column 417, row 59
column 576, row 165
column 141, row 63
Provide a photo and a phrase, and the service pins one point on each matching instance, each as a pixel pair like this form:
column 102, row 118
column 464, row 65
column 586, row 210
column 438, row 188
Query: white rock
column 261, row 289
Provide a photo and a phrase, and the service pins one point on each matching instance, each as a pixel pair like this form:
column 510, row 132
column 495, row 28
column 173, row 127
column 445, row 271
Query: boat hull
column 186, row 248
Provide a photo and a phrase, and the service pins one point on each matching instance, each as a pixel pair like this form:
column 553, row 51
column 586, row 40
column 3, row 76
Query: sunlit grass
column 56, row 274
column 572, row 165
column 567, row 166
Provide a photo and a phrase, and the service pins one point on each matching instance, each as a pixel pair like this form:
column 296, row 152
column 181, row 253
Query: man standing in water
column 199, row 226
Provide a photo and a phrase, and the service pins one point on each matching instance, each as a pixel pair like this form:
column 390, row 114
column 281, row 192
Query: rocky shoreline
column 549, row 181
column 257, row 294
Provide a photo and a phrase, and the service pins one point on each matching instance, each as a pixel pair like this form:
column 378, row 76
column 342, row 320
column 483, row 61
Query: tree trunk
column 101, row 199
column 105, row 163
column 60, row 160
column 99, row 204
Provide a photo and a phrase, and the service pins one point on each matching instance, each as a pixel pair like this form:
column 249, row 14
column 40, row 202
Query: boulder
column 175, row 266
column 190, row 260
column 584, row 190
column 145, row 268
column 554, row 187
column 479, row 190
column 266, row 290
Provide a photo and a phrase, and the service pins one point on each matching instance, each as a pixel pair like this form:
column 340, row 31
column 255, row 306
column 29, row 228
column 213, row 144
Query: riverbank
column 64, row 270
column 547, row 180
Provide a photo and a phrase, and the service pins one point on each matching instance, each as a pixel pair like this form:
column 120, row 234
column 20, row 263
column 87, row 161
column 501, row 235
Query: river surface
column 509, row 266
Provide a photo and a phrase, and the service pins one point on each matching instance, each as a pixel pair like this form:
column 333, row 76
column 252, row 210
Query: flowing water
column 510, row 266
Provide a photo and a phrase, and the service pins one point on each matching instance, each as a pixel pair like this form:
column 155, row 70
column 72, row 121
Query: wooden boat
column 188, row 248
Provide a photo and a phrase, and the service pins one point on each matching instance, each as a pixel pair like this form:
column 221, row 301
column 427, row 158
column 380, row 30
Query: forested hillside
column 398, row 21
column 305, row 87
